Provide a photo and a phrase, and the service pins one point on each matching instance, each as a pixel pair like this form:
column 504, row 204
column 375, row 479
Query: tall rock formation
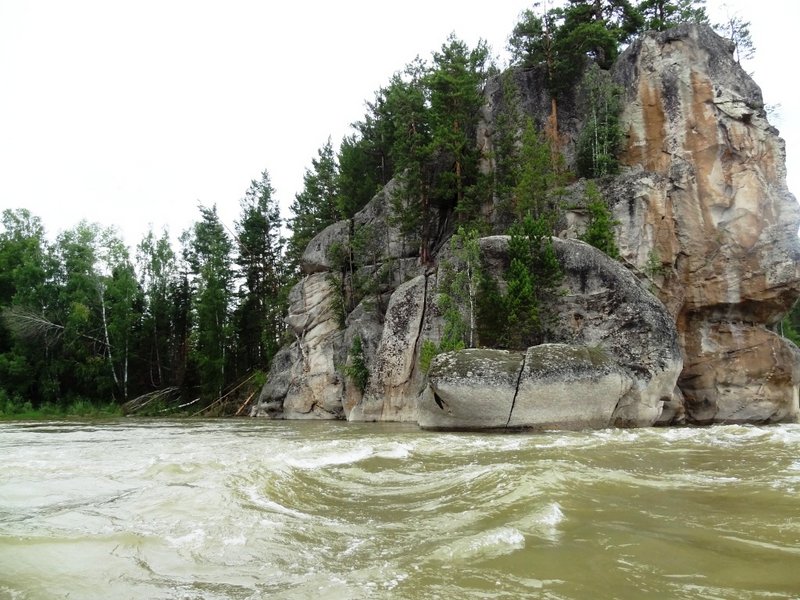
column 705, row 222
column 704, row 210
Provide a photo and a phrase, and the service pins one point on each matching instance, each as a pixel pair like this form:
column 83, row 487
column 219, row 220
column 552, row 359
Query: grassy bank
column 15, row 410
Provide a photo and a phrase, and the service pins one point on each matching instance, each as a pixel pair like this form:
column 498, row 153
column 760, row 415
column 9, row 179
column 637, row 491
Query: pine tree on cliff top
column 315, row 207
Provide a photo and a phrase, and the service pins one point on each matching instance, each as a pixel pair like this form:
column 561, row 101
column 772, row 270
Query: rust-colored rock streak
column 712, row 210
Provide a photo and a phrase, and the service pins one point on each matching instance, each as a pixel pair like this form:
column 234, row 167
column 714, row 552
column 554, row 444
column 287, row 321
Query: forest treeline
column 86, row 319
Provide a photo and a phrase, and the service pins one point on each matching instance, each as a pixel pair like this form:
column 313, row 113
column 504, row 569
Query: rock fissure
column 516, row 390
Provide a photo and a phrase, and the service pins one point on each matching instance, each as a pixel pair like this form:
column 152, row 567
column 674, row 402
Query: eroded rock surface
column 618, row 356
column 704, row 209
column 705, row 221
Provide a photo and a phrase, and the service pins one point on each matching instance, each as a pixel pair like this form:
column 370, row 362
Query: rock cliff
column 706, row 224
column 704, row 202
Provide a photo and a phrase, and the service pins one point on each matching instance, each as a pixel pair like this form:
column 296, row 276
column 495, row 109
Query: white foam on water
column 192, row 540
column 544, row 523
column 333, row 459
column 552, row 516
column 488, row 544
column 398, row 451
column 255, row 496
column 239, row 540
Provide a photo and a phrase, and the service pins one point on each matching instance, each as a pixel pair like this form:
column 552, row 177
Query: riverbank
column 25, row 411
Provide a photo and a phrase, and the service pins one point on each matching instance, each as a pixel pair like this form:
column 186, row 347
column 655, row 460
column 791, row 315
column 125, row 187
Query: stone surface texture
column 710, row 261
column 703, row 206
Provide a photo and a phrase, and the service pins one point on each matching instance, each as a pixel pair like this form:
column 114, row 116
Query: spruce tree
column 262, row 293
column 208, row 255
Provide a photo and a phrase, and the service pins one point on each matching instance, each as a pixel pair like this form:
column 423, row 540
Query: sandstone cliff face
column 705, row 221
column 704, row 210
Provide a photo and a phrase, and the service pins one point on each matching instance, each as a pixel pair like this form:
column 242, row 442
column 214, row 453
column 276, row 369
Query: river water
column 251, row 509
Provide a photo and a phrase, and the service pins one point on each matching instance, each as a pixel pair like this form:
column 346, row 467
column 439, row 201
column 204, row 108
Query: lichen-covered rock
column 551, row 386
column 470, row 389
column 395, row 380
column 569, row 387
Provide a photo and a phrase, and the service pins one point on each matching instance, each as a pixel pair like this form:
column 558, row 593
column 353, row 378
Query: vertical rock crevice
column 516, row 391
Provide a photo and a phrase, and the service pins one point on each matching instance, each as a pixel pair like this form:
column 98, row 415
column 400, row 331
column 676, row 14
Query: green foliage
column 209, row 256
column 455, row 92
column 262, row 294
column 533, row 280
column 537, row 176
column 316, row 206
column 561, row 40
column 600, row 229
column 492, row 309
column 601, row 135
column 426, row 354
column 356, row 368
column 789, row 326
column 737, row 30
column 660, row 15
column 359, row 177
column 459, row 290
column 654, row 267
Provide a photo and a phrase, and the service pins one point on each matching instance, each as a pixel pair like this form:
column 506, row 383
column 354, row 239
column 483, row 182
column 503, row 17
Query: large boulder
column 551, row 386
column 471, row 389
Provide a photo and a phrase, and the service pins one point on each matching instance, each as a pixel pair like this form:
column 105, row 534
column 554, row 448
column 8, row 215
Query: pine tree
column 660, row 15
column 455, row 83
column 406, row 105
column 737, row 30
column 315, row 207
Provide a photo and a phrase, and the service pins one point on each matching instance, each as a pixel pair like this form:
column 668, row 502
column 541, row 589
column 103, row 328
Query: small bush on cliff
column 356, row 369
column 600, row 230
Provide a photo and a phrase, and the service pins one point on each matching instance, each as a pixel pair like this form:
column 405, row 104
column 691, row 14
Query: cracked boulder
column 470, row 389
column 551, row 386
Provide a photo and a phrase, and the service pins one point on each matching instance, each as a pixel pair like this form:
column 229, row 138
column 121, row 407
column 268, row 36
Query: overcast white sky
column 129, row 113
